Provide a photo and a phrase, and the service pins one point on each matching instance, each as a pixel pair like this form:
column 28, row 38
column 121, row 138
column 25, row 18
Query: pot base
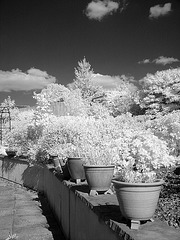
column 77, row 180
column 135, row 224
column 95, row 192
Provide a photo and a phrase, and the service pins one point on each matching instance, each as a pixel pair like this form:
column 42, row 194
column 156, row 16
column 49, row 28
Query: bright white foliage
column 161, row 91
column 17, row 138
column 8, row 102
column 83, row 82
column 121, row 99
column 138, row 146
column 54, row 93
column 167, row 128
column 122, row 141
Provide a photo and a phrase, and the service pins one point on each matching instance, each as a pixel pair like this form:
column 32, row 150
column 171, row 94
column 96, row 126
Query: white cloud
column 165, row 60
column 37, row 72
column 109, row 82
column 99, row 9
column 144, row 61
column 16, row 80
column 159, row 10
column 160, row 60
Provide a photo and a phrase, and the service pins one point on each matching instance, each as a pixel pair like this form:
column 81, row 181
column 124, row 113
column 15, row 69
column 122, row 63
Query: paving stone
column 28, row 211
column 21, row 214
column 5, row 211
column 6, row 222
column 4, row 233
column 35, row 231
column 31, row 220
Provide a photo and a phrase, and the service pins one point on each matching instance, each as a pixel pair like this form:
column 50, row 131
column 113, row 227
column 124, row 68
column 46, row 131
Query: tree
column 54, row 93
column 121, row 99
column 83, row 82
column 160, row 92
column 8, row 103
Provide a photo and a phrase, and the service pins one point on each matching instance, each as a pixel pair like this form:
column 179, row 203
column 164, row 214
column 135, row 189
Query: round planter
column 65, row 170
column 76, row 170
column 99, row 178
column 137, row 201
column 56, row 162
column 11, row 153
column 66, row 173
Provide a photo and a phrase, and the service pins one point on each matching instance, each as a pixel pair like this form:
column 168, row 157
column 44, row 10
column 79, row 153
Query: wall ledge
column 82, row 217
column 106, row 207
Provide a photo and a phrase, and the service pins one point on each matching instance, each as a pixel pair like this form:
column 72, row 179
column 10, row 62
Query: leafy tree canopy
column 82, row 81
column 8, row 103
column 161, row 91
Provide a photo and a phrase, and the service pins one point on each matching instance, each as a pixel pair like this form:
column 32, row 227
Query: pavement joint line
column 13, row 213
column 14, row 210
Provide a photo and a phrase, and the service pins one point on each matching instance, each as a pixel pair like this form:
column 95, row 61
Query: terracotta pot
column 66, row 173
column 137, row 201
column 56, row 161
column 11, row 153
column 99, row 178
column 76, row 170
column 65, row 170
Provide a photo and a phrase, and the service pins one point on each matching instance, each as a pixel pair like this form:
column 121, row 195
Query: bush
column 167, row 128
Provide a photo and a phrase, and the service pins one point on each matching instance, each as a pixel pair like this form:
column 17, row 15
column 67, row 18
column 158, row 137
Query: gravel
column 168, row 209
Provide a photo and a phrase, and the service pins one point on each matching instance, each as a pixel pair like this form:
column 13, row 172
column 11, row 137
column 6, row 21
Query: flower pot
column 99, row 178
column 137, row 201
column 11, row 153
column 56, row 162
column 76, row 170
column 65, row 170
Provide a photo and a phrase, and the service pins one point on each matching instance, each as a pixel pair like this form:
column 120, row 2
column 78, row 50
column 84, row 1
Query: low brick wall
column 81, row 216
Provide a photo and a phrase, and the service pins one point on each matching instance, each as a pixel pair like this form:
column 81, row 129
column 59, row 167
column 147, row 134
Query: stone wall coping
column 107, row 209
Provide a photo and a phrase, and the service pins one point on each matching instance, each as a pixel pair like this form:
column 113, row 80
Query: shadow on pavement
column 53, row 225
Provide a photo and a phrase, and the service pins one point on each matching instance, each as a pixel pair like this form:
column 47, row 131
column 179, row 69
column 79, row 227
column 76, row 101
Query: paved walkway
column 25, row 214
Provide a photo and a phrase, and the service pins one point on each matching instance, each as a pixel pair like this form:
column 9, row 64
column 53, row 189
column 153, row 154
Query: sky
column 41, row 42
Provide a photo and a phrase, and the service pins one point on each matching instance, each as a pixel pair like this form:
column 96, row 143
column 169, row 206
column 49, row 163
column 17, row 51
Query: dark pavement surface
column 26, row 214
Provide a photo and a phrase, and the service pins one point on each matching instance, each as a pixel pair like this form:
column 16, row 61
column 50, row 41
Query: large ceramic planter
column 99, row 178
column 76, row 170
column 11, row 153
column 65, row 170
column 56, row 162
column 137, row 201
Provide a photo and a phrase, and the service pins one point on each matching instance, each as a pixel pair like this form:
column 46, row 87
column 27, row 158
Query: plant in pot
column 99, row 167
column 57, row 156
column 137, row 184
column 11, row 151
column 54, row 158
column 68, row 157
column 75, row 162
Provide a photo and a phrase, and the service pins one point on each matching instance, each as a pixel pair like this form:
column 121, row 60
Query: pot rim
column 53, row 155
column 98, row 166
column 157, row 182
column 71, row 158
column 11, row 150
